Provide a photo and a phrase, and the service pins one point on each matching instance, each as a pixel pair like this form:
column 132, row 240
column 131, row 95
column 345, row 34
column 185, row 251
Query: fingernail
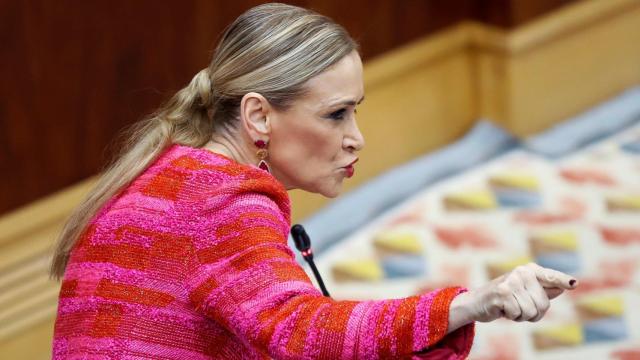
column 572, row 282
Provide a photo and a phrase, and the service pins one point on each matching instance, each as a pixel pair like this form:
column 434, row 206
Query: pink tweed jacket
column 191, row 261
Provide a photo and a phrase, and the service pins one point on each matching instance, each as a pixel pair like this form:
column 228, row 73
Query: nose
column 353, row 140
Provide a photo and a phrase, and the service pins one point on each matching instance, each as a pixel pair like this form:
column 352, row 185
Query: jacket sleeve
column 245, row 278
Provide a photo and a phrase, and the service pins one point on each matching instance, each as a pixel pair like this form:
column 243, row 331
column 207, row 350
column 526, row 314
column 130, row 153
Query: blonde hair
column 271, row 49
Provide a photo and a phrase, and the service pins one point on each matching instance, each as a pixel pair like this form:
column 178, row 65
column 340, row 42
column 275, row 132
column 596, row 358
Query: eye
column 338, row 114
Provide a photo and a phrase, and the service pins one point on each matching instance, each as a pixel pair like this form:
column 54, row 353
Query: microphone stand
column 303, row 244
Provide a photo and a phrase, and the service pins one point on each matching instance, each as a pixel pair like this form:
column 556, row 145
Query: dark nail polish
column 572, row 282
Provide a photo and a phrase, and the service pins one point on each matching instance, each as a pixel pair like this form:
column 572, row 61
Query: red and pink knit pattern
column 191, row 262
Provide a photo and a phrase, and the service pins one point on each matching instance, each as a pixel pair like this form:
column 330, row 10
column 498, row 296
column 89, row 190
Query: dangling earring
column 262, row 154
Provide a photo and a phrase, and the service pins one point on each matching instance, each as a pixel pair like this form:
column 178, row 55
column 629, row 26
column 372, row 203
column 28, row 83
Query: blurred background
column 517, row 115
column 76, row 73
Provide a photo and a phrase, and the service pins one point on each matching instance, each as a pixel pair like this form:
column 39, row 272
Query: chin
column 330, row 195
column 331, row 192
column 328, row 190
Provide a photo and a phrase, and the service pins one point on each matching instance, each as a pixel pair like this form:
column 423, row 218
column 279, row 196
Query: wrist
column 460, row 312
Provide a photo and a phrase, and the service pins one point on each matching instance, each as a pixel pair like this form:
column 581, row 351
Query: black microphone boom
column 303, row 244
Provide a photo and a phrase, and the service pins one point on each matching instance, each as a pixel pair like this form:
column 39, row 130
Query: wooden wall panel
column 512, row 13
column 536, row 75
column 75, row 73
column 574, row 82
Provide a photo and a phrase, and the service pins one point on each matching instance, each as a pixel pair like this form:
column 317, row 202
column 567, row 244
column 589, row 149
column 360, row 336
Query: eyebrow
column 349, row 102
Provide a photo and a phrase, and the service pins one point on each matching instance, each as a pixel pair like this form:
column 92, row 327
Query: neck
column 230, row 147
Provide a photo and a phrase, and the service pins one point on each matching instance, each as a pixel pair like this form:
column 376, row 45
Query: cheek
column 305, row 154
column 323, row 155
column 322, row 147
column 312, row 144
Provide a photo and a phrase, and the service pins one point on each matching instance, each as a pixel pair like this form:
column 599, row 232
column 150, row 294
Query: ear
column 254, row 111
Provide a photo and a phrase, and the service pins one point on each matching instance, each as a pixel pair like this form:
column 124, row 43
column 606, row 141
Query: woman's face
column 314, row 143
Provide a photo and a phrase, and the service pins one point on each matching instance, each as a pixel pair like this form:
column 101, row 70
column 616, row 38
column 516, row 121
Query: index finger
column 550, row 278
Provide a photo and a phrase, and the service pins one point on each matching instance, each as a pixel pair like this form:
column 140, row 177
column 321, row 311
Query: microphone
column 303, row 244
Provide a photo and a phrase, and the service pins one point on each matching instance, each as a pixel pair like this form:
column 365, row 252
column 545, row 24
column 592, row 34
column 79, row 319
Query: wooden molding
column 42, row 213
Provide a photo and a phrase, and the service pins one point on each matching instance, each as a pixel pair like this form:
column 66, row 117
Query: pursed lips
column 353, row 162
column 349, row 168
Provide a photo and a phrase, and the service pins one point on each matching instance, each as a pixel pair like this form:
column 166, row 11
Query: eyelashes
column 340, row 114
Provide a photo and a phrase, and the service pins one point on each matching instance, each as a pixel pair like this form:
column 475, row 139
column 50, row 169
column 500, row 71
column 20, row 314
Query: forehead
column 340, row 82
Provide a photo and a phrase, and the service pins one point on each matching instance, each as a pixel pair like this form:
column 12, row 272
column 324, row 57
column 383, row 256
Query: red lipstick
column 350, row 169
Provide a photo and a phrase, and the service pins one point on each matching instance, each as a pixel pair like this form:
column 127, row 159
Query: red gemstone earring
column 262, row 154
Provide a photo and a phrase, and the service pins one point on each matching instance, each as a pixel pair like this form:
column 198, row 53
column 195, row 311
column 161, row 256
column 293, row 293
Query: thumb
column 553, row 292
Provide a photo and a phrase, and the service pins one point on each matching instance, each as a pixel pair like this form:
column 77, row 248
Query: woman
column 180, row 251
